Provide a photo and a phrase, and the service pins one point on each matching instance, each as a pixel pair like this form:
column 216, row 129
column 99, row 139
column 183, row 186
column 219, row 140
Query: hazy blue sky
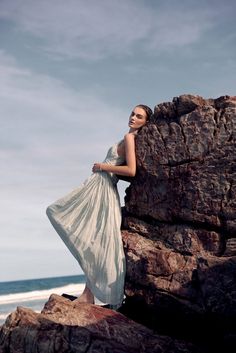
column 70, row 73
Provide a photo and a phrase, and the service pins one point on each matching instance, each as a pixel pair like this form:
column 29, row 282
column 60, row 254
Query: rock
column 186, row 164
column 179, row 220
column 230, row 247
column 76, row 328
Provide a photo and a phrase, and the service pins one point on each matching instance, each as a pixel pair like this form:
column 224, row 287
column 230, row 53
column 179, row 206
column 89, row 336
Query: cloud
column 96, row 29
column 50, row 136
column 44, row 109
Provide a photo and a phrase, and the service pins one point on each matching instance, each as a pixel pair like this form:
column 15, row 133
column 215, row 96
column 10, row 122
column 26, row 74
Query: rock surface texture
column 179, row 235
column 65, row 327
column 179, row 223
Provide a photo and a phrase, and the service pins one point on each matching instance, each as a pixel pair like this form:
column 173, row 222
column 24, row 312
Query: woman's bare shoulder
column 129, row 136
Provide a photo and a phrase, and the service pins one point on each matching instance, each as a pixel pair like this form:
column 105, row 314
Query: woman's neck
column 133, row 131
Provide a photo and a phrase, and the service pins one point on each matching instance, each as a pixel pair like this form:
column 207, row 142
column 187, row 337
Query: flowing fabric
column 88, row 220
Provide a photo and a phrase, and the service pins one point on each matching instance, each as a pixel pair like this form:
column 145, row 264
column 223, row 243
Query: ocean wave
column 73, row 289
column 3, row 316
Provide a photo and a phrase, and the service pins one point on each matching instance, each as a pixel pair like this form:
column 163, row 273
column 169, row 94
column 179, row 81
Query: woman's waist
column 107, row 176
column 115, row 161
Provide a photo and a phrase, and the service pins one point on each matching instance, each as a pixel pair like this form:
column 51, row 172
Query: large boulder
column 179, row 220
column 186, row 164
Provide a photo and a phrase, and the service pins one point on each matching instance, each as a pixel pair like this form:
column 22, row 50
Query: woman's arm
column 127, row 170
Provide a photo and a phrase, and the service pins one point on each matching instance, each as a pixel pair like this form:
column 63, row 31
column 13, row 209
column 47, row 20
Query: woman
column 88, row 219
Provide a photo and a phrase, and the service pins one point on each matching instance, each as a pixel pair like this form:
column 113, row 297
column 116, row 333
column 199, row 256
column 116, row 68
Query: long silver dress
column 88, row 220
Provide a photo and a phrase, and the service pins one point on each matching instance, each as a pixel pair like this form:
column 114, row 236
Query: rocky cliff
column 180, row 221
column 179, row 234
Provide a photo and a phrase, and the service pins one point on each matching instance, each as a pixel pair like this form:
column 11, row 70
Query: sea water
column 33, row 293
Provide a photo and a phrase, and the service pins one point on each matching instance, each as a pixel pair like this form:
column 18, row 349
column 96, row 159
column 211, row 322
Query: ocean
column 33, row 293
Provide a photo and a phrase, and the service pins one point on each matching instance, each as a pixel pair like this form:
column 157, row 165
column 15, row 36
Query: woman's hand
column 97, row 167
column 129, row 168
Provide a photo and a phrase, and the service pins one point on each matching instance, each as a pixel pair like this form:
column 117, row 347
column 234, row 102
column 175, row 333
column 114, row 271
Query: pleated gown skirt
column 88, row 220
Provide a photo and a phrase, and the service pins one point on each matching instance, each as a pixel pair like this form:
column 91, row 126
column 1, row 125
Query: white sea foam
column 72, row 289
column 3, row 316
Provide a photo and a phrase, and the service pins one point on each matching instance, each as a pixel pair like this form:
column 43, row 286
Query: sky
column 70, row 74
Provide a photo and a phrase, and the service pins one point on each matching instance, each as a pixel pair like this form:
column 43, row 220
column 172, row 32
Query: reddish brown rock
column 186, row 164
column 179, row 220
column 65, row 327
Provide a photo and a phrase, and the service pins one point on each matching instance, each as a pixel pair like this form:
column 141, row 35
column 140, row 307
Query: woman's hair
column 147, row 109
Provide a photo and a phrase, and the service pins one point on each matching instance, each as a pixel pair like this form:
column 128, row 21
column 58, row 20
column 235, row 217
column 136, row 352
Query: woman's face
column 137, row 118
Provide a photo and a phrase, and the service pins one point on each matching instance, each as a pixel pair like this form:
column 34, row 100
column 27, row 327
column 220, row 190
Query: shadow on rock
column 201, row 310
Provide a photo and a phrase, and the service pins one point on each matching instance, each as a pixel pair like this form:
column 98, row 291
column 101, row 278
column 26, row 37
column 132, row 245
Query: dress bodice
column 112, row 156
